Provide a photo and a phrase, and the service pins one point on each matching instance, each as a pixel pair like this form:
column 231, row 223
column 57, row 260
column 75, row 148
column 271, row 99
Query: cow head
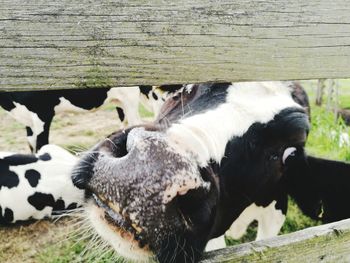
column 164, row 190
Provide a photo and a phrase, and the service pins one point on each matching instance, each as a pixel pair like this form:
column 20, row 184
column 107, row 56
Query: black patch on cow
column 320, row 187
column 72, row 206
column 33, row 177
column 41, row 200
column 59, row 205
column 45, row 157
column 8, row 178
column 7, row 217
column 20, row 159
column 85, row 98
column 121, row 114
column 145, row 90
column 6, row 101
column 154, row 95
column 170, row 88
column 29, row 131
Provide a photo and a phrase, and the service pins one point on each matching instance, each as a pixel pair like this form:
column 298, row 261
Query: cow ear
column 320, row 187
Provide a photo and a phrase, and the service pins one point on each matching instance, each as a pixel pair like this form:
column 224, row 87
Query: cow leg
column 43, row 138
column 240, row 225
column 216, row 243
column 34, row 124
column 128, row 99
column 41, row 123
column 270, row 222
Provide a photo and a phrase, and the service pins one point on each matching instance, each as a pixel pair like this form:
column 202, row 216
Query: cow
column 163, row 190
column 344, row 114
column 151, row 97
column 36, row 109
column 37, row 186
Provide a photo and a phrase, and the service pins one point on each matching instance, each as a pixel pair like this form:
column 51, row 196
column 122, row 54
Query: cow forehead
column 207, row 133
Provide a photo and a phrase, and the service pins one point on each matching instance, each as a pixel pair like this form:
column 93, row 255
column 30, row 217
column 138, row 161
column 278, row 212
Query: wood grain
column 326, row 243
column 75, row 44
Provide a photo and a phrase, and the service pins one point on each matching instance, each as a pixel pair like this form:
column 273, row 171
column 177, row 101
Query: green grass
column 74, row 251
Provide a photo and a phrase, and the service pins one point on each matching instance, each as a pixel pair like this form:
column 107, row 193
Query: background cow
column 36, row 109
column 36, row 186
column 164, row 190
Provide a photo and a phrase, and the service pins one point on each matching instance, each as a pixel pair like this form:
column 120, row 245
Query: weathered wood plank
column 326, row 243
column 67, row 44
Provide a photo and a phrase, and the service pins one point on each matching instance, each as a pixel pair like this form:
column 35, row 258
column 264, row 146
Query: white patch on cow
column 66, row 106
column 151, row 104
column 124, row 246
column 216, row 243
column 127, row 98
column 182, row 182
column 207, row 134
column 288, row 152
column 270, row 221
column 29, row 119
column 55, row 180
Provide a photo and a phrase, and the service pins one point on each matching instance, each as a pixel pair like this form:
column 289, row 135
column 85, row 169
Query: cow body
column 36, row 186
column 238, row 149
column 36, row 109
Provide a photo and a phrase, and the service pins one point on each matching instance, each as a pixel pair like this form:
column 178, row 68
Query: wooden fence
column 75, row 44
column 326, row 243
column 47, row 44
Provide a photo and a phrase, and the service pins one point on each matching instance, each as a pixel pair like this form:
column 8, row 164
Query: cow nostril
column 115, row 147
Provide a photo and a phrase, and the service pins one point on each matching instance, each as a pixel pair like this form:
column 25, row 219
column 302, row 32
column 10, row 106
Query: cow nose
column 142, row 185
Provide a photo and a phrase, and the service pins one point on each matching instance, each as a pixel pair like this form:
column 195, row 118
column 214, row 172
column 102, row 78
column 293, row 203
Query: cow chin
column 122, row 241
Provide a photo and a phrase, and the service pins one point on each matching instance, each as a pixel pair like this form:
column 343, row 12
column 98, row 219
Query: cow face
column 164, row 190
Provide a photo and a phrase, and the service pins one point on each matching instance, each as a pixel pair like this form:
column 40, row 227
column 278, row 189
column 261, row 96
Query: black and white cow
column 36, row 109
column 151, row 97
column 164, row 190
column 36, row 186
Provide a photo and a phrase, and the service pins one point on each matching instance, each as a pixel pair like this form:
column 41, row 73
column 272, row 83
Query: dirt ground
column 74, row 131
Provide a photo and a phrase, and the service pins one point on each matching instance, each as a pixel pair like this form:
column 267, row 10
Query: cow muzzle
column 135, row 195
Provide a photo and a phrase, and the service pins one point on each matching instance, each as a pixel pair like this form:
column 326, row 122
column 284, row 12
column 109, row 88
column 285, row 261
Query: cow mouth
column 118, row 229
column 113, row 217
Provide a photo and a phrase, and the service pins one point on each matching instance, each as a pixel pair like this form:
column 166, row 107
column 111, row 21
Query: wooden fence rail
column 326, row 243
column 73, row 44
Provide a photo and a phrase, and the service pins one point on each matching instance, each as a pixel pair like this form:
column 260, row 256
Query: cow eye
column 274, row 157
column 291, row 151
